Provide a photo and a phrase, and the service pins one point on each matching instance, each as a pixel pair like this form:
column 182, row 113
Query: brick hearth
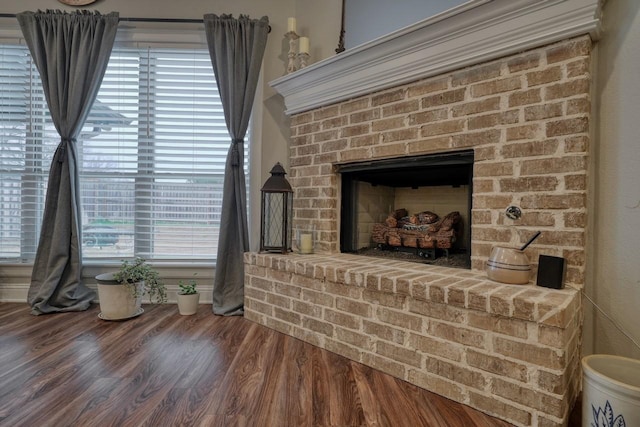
column 508, row 350
column 511, row 351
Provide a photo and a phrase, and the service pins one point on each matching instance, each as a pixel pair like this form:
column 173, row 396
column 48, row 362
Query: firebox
column 419, row 207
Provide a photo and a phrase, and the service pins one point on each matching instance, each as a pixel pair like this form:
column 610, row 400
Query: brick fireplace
column 527, row 119
column 511, row 351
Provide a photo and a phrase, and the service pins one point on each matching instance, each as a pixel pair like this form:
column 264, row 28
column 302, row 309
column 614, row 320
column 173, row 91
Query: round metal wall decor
column 77, row 2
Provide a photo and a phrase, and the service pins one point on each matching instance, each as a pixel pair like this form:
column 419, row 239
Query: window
column 151, row 157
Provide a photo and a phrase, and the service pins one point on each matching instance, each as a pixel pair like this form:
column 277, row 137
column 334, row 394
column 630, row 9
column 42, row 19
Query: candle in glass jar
column 306, row 243
column 291, row 25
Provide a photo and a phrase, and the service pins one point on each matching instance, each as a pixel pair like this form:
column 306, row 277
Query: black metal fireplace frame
column 452, row 168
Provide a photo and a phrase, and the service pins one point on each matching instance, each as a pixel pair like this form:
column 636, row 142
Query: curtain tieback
column 63, row 148
column 235, row 155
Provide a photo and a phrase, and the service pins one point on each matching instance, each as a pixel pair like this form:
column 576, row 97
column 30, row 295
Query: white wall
column 613, row 280
column 320, row 21
column 366, row 20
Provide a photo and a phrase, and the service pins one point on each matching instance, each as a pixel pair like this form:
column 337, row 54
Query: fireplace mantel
column 474, row 32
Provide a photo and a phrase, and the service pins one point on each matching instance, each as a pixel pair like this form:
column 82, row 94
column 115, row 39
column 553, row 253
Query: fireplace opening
column 413, row 208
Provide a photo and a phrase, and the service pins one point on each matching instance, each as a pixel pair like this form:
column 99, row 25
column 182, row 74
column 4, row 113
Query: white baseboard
column 15, row 279
column 19, row 292
column 13, row 293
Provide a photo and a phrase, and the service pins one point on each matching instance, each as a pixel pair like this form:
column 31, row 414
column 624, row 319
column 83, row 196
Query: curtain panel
column 237, row 48
column 71, row 52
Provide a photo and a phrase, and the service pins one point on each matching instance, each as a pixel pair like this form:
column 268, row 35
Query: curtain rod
column 162, row 20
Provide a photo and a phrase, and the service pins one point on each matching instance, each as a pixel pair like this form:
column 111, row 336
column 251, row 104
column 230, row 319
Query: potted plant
column 188, row 297
column 120, row 293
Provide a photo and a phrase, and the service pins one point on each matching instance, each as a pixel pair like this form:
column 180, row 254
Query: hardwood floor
column 163, row 369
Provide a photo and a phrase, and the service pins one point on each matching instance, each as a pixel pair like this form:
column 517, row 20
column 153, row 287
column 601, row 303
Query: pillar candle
column 304, row 45
column 291, row 25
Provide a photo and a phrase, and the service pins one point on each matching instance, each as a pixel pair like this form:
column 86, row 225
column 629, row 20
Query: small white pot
column 188, row 304
column 611, row 391
column 116, row 301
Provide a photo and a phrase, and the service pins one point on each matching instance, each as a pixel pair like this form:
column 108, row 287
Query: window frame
column 141, row 37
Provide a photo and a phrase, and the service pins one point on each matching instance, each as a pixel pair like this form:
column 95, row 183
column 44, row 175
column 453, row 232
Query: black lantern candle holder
column 276, row 212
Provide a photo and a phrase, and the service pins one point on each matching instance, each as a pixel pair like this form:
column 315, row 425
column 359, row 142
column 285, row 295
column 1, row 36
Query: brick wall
column 509, row 350
column 525, row 116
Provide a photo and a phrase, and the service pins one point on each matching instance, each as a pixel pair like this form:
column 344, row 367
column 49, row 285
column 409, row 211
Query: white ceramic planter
column 611, row 391
column 116, row 301
column 188, row 304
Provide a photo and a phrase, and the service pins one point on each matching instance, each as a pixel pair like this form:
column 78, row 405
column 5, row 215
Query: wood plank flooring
column 163, row 369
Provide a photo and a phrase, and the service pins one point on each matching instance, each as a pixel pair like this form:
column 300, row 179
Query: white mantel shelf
column 474, row 32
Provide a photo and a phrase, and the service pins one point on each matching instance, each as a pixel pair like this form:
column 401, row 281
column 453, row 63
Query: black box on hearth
column 551, row 271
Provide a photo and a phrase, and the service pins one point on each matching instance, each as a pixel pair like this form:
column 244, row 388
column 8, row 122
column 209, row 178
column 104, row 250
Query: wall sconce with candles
column 276, row 212
column 299, row 59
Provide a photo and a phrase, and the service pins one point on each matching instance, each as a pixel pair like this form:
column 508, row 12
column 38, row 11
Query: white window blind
column 27, row 143
column 152, row 156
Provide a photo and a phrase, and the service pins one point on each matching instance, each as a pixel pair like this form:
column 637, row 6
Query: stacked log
column 379, row 233
column 444, row 239
column 446, row 223
column 394, row 217
column 423, row 218
column 423, row 230
column 393, row 237
column 410, row 238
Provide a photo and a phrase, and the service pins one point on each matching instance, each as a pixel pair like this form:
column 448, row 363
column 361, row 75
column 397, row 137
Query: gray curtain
column 71, row 52
column 236, row 47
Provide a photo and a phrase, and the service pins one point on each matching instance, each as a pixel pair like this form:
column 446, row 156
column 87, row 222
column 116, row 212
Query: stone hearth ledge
column 511, row 351
column 456, row 287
